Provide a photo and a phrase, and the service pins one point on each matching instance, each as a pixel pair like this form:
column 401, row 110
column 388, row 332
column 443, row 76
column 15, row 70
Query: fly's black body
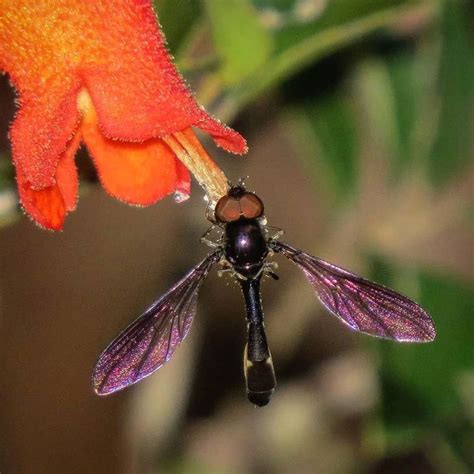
column 243, row 246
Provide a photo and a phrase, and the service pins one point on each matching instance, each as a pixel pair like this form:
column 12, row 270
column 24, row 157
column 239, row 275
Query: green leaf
column 7, row 172
column 278, row 5
column 421, row 382
column 452, row 150
column 421, row 379
column 8, row 196
column 341, row 24
column 176, row 18
column 240, row 39
column 331, row 119
column 404, row 90
column 373, row 94
column 335, row 13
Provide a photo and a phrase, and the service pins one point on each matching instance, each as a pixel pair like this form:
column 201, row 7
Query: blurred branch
column 295, row 58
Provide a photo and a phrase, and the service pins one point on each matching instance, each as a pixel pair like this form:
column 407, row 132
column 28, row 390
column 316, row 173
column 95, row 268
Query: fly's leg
column 228, row 269
column 269, row 270
column 273, row 233
column 225, row 271
column 213, row 244
column 266, row 270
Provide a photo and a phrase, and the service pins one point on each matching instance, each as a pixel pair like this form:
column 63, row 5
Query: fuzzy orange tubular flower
column 98, row 72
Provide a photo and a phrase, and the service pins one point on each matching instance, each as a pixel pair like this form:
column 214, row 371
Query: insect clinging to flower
column 243, row 247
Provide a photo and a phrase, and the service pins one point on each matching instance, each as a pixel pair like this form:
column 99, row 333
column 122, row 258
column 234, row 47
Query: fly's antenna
column 241, row 181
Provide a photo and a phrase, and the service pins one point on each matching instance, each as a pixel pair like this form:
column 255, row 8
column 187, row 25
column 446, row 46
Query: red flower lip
column 99, row 73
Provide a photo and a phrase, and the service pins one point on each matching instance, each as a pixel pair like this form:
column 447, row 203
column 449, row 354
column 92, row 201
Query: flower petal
column 142, row 95
column 116, row 52
column 66, row 174
column 49, row 206
column 41, row 130
column 45, row 206
column 136, row 90
column 223, row 135
column 137, row 173
column 183, row 182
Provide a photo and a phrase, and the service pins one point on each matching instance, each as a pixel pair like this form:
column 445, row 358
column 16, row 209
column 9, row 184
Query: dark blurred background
column 359, row 116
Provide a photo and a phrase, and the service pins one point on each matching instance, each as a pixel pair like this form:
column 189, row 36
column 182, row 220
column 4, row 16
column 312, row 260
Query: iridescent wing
column 150, row 341
column 361, row 304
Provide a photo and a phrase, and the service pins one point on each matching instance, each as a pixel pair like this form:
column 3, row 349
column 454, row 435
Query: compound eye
column 227, row 209
column 251, row 206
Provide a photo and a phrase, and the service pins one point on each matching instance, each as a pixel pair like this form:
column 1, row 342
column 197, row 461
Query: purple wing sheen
column 150, row 341
column 361, row 304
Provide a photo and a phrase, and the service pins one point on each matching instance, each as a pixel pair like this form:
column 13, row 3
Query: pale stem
column 192, row 154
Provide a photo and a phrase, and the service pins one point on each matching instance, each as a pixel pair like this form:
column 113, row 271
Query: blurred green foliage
column 453, row 142
column 422, row 384
column 242, row 42
column 395, row 76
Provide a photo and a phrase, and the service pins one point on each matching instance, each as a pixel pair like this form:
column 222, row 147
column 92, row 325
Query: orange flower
column 97, row 72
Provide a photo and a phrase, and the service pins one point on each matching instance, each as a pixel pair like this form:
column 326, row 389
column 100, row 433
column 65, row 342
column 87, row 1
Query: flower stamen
column 192, row 154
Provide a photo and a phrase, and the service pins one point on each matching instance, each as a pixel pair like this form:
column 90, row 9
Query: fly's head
column 236, row 204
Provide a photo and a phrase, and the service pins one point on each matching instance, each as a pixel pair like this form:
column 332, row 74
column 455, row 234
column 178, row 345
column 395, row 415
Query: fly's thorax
column 245, row 246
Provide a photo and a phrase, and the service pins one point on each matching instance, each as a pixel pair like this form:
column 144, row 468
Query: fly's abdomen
column 258, row 366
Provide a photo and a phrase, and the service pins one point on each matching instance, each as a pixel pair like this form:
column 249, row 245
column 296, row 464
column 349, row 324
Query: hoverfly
column 245, row 242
